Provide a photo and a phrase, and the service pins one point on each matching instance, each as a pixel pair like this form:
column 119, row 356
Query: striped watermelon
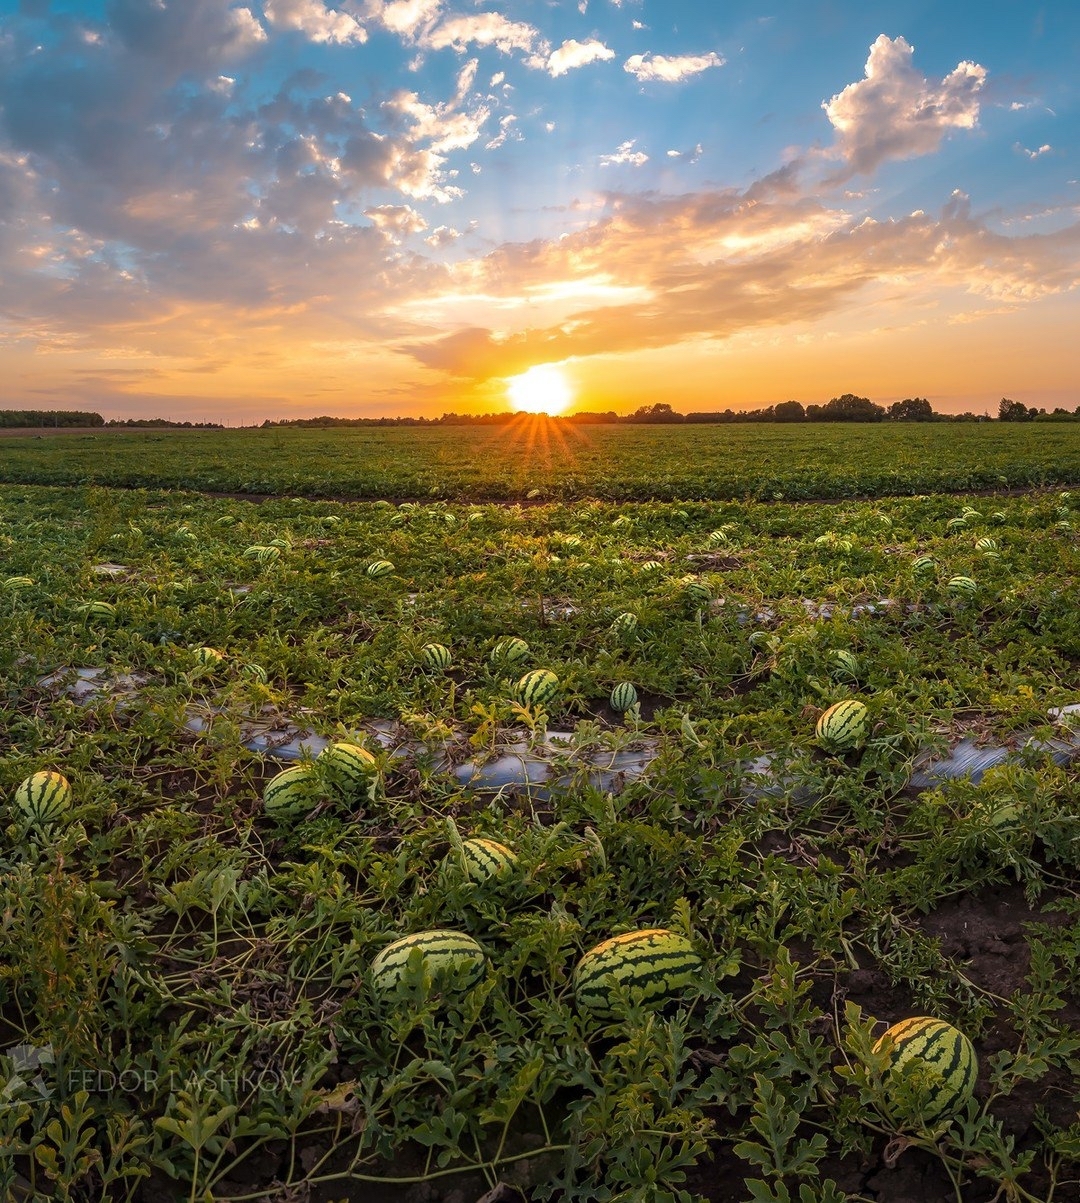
column 256, row 672
column 651, row 566
column 844, row 663
column 962, row 586
column 538, row 688
column 439, row 952
column 292, row 792
column 43, row 797
column 208, row 657
column 718, row 538
column 15, row 583
column 843, row 725
column 923, row 565
column 695, row 592
column 655, row 965
column 986, row 544
column 623, row 696
column 103, row 611
column 624, row 624
column 435, row 656
column 348, row 768
column 509, row 650
column 487, row 859
column 936, row 1064
column 379, row 568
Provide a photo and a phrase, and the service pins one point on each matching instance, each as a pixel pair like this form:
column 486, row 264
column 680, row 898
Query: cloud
column 670, row 69
column 1045, row 149
column 483, row 29
column 314, row 20
column 407, row 18
column 572, row 54
column 710, row 265
column 625, row 153
column 396, row 221
column 895, row 112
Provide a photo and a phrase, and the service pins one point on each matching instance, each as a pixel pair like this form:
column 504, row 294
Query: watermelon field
column 440, row 847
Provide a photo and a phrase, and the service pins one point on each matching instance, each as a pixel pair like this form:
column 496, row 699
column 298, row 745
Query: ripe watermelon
column 938, row 1063
column 435, row 656
column 380, row 568
column 538, row 688
column 487, row 859
column 509, row 650
column 348, row 768
column 624, row 624
column 439, row 952
column 843, row 726
column 962, row 587
column 655, row 965
column 44, row 797
column 294, row 791
column 623, row 696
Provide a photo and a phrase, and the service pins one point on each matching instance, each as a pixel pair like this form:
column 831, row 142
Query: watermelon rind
column 843, row 725
column 291, row 792
column 486, row 859
column 348, row 768
column 538, row 688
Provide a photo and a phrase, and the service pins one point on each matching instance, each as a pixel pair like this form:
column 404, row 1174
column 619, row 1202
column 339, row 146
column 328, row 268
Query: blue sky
column 285, row 207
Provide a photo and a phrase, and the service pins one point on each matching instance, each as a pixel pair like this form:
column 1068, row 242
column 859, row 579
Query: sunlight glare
column 543, row 389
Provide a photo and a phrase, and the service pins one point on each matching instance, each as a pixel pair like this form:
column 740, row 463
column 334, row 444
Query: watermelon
column 655, row 965
column 103, row 611
column 843, row 725
column 651, row 566
column 844, row 663
column 256, row 672
column 623, row 696
column 509, row 650
column 986, row 544
column 43, row 797
column 938, row 1063
column 486, row 859
column 962, row 586
column 208, row 657
column 292, row 792
column 695, row 592
column 18, row 582
column 923, row 565
column 718, row 538
column 538, row 688
column 380, row 568
column 348, row 768
column 957, row 523
column 439, row 952
column 435, row 656
column 624, row 624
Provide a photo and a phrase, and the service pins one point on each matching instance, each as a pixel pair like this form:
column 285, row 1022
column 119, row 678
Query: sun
column 543, row 389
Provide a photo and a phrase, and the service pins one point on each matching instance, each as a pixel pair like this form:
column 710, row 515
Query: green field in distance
column 541, row 458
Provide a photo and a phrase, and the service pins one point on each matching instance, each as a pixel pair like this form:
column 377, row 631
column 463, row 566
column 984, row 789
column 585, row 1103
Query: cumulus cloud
column 1038, row 152
column 573, row 54
column 895, row 112
column 625, row 153
column 407, row 18
column 670, row 69
column 314, row 20
column 396, row 221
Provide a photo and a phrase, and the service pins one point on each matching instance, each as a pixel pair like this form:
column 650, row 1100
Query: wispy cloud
column 625, row 153
column 670, row 69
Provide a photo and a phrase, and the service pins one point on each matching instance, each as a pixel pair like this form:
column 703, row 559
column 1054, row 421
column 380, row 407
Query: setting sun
column 543, row 389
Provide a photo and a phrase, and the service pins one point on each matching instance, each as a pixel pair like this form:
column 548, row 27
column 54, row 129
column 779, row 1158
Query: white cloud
column 897, row 113
column 484, row 29
column 405, row 17
column 625, row 153
column 314, row 20
column 573, row 54
column 1045, row 149
column 442, row 236
column 506, row 131
column 670, row 69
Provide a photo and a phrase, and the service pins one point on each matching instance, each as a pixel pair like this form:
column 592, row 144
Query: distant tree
column 849, row 408
column 659, row 412
column 911, row 409
column 1014, row 411
column 789, row 411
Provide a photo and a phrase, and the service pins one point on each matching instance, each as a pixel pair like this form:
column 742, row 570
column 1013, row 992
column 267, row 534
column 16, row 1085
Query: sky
column 231, row 211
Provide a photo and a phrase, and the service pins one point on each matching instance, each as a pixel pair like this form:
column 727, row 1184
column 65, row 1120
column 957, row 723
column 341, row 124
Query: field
column 188, row 1009
column 540, row 459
